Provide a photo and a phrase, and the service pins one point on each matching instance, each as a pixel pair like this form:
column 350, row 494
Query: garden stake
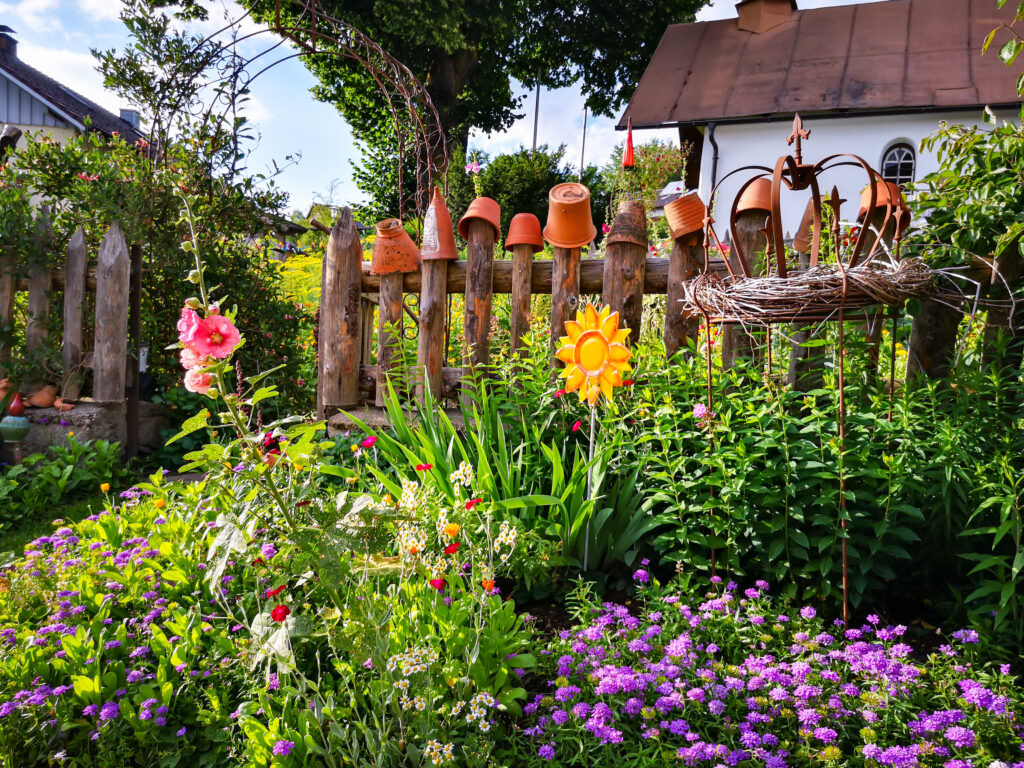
column 590, row 486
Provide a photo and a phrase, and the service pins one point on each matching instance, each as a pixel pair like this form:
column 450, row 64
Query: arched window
column 898, row 164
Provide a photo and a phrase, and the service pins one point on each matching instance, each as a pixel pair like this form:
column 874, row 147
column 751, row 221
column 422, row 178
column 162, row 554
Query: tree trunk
column 1002, row 320
column 932, row 340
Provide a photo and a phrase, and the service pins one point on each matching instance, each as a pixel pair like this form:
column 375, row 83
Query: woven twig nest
column 814, row 294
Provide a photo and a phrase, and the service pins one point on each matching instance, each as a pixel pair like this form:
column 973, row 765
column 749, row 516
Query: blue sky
column 55, row 36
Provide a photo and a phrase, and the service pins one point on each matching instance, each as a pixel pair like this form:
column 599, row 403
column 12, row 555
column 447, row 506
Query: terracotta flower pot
column 482, row 208
column 44, row 398
column 570, row 224
column 393, row 249
column 524, row 229
column 62, row 405
column 887, row 194
column 630, row 225
column 6, row 385
column 756, row 197
column 438, row 236
column 685, row 215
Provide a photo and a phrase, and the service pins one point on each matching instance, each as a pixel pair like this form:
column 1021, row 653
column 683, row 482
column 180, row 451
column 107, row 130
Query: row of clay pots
column 686, row 214
column 570, row 225
column 45, row 397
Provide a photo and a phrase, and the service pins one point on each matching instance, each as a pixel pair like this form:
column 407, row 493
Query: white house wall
column 21, row 108
column 869, row 137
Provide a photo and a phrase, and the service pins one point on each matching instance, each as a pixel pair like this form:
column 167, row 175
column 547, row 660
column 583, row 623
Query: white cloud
column 35, row 15
column 71, row 69
column 101, row 10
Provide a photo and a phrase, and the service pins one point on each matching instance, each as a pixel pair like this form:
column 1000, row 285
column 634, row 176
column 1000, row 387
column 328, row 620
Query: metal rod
column 583, row 147
column 536, row 115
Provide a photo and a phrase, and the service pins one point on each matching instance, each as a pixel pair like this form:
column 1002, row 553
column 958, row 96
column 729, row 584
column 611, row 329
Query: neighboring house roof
column 67, row 104
column 672, row 191
column 894, row 56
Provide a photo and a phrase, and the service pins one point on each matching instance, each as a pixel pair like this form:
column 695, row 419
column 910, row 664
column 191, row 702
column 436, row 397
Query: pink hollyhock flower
column 197, row 381
column 187, row 325
column 215, row 336
column 605, row 228
column 191, row 359
column 369, row 441
column 576, row 426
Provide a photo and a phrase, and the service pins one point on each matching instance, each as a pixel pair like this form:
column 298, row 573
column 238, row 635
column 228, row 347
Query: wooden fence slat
column 6, row 304
column 433, row 311
column 522, row 271
column 341, row 317
column 685, row 261
column 111, row 349
column 479, row 289
column 624, row 267
column 132, row 377
column 76, row 262
column 737, row 342
column 39, row 287
column 565, row 291
column 389, row 335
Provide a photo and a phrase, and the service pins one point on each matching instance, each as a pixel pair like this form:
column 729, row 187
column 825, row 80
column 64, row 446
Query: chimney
column 761, row 15
column 131, row 117
column 8, row 45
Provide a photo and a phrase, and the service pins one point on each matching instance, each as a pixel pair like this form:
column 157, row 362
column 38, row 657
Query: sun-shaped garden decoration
column 594, row 353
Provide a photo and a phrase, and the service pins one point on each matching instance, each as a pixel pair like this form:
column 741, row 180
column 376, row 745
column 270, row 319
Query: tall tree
column 468, row 52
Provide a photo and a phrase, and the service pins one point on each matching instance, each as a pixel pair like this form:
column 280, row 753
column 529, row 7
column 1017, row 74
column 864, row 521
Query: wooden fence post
column 433, row 310
column 131, row 441
column 685, row 261
column 111, row 349
column 625, row 264
column 522, row 272
column 737, row 341
column 75, row 265
column 340, row 318
column 389, row 335
column 565, row 291
column 479, row 288
column 40, row 282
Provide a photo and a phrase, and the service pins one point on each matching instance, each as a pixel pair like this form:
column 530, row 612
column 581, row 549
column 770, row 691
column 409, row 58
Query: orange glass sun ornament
column 594, row 354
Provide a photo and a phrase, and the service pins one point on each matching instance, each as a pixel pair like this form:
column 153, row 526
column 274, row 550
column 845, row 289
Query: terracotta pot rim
column 756, row 197
column 486, row 208
column 680, row 214
column 565, row 244
column 524, row 229
column 572, row 218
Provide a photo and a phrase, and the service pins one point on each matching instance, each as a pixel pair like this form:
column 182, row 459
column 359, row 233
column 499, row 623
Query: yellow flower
column 160, row 503
column 355, row 447
column 71, row 434
column 594, row 353
column 104, row 487
column 452, row 530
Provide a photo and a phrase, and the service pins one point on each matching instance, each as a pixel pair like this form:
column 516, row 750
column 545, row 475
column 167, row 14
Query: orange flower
column 413, row 549
column 452, row 530
column 159, row 503
column 488, row 585
column 594, row 353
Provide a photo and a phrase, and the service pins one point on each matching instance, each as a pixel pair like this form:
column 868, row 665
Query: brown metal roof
column 893, row 56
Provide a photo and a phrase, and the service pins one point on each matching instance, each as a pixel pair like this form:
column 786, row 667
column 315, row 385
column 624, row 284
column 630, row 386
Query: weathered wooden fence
column 622, row 278
column 115, row 371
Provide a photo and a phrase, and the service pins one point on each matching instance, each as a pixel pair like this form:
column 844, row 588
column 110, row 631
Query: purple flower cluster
column 727, row 681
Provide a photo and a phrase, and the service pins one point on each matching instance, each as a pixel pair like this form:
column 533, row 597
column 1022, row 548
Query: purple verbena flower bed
column 733, row 679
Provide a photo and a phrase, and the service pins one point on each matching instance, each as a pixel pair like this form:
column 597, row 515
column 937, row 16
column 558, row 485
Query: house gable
column 20, row 107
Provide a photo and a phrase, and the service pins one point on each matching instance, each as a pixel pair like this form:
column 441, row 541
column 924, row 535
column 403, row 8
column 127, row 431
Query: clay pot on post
column 44, row 398
column 625, row 266
column 570, row 226
column 685, row 215
column 437, row 250
column 481, row 227
column 888, row 201
column 394, row 253
column 524, row 239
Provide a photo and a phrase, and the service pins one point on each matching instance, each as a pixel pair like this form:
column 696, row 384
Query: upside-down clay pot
column 524, row 229
column 482, row 208
column 887, row 194
column 685, row 215
column 393, row 249
column 438, row 235
column 630, row 225
column 756, row 197
column 6, row 385
column 44, row 398
column 63, row 405
column 570, row 224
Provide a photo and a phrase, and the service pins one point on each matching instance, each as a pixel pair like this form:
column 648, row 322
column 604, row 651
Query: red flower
column 257, row 562
column 280, row 612
column 274, row 592
column 472, row 503
column 424, row 467
column 451, row 549
column 628, row 383
column 437, row 584
column 369, row 442
column 576, row 426
column 304, row 503
column 559, row 393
